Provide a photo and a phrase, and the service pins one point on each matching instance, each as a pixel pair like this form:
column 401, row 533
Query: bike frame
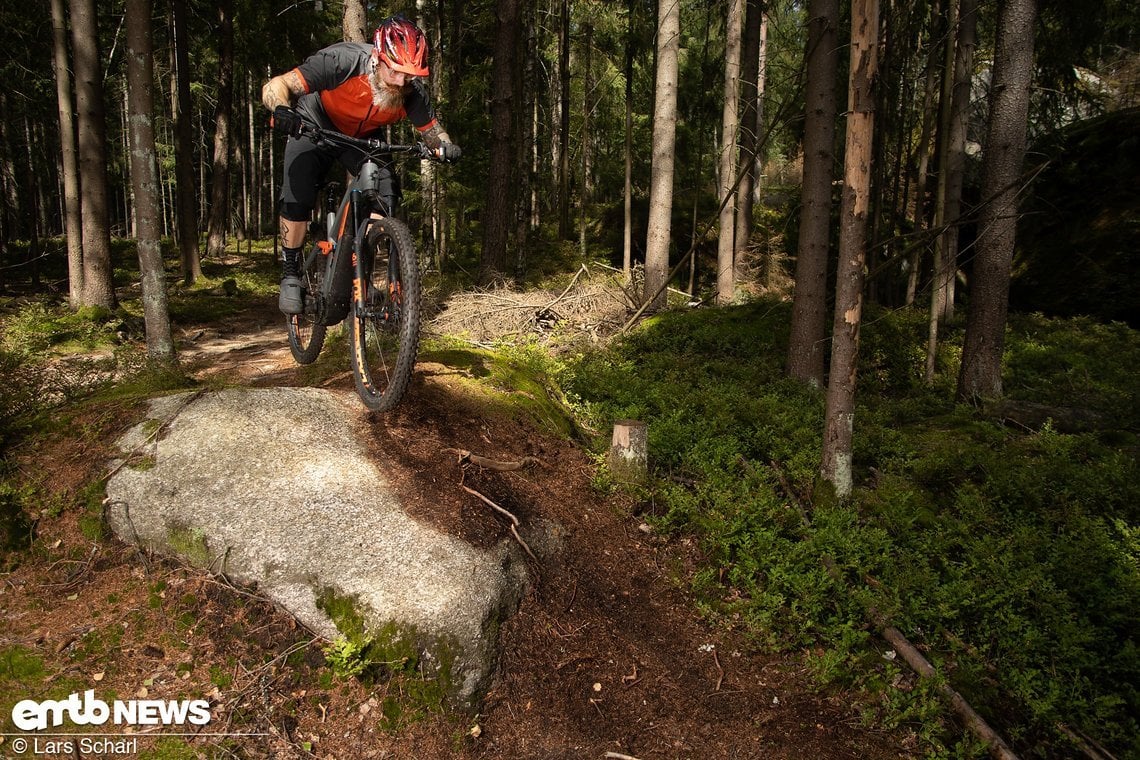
column 345, row 271
column 341, row 280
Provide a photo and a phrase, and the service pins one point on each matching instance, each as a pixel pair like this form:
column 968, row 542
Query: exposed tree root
column 514, row 520
column 466, row 457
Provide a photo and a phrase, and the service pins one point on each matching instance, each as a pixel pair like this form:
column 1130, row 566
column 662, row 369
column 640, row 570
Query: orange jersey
column 338, row 94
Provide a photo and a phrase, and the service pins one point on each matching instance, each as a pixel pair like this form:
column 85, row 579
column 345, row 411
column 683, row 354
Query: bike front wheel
column 386, row 323
column 306, row 331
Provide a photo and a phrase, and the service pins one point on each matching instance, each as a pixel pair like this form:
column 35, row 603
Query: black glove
column 286, row 121
column 448, row 152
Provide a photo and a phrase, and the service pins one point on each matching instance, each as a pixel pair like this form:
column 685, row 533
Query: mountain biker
column 355, row 89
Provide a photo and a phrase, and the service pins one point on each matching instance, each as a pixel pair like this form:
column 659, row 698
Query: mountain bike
column 365, row 268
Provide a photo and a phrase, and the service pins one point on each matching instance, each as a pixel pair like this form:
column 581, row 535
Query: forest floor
column 606, row 654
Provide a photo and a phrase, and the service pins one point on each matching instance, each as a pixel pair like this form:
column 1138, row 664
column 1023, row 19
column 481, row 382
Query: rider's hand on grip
column 286, row 121
column 448, row 152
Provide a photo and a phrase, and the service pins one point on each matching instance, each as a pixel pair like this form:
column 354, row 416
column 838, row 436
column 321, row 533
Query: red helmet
column 402, row 46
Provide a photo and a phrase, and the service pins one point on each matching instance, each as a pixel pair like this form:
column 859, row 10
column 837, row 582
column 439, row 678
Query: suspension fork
column 363, row 264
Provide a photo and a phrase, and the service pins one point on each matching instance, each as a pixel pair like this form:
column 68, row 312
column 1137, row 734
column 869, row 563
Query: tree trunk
column 938, row 283
column 31, row 192
column 355, row 21
column 749, row 124
column 220, row 178
column 428, row 179
column 500, row 204
column 628, row 458
column 806, row 349
column 980, row 374
column 72, row 221
column 144, row 179
column 730, row 124
column 18, row 178
column 627, row 233
column 959, row 123
column 929, row 108
column 98, row 289
column 587, row 184
column 564, row 123
column 239, row 207
column 7, row 192
column 899, row 173
column 524, row 137
column 253, row 199
column 664, row 143
column 839, row 417
column 696, row 169
column 271, row 173
column 128, row 191
column 948, row 201
column 9, row 184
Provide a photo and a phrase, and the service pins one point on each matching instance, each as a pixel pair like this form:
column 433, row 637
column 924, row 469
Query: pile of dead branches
column 591, row 306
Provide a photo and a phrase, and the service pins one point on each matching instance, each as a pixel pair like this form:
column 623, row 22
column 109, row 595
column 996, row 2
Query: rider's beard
column 386, row 97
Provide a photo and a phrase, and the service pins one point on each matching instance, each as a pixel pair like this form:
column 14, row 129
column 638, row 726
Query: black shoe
column 292, row 298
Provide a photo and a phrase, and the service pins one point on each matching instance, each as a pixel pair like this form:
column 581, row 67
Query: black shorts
column 307, row 167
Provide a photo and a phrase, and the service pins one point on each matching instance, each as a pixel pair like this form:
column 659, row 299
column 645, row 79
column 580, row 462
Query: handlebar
column 371, row 146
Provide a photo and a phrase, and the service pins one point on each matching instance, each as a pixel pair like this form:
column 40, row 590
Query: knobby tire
column 386, row 319
column 306, row 332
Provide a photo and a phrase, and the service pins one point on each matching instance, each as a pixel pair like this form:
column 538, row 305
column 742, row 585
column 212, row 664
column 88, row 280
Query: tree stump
column 629, row 453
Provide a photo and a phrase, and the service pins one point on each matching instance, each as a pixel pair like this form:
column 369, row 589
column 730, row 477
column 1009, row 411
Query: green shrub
column 1011, row 556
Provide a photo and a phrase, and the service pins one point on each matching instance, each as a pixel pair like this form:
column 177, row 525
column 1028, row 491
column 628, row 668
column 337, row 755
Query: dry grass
column 593, row 306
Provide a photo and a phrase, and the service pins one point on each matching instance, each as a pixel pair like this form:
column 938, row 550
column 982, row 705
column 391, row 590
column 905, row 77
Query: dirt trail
column 605, row 655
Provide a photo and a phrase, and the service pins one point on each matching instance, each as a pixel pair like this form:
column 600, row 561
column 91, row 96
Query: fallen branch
column 910, row 654
column 562, row 295
column 619, row 756
column 466, row 457
column 997, row 746
column 920, row 665
column 1097, row 753
column 514, row 520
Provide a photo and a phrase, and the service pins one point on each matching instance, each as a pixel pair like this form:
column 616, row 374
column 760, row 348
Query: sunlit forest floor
column 608, row 651
column 721, row 611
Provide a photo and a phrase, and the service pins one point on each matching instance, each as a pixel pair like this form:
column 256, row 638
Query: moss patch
column 416, row 668
column 517, row 381
column 190, row 544
column 21, row 666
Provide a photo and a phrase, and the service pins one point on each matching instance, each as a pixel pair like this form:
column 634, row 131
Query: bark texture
column 751, row 90
column 355, row 21
column 564, row 122
column 664, row 142
column 948, row 199
column 500, row 205
column 144, row 179
column 92, row 132
column 839, row 418
column 807, row 347
column 185, row 202
column 730, row 124
column 72, row 220
column 980, row 375
column 220, row 179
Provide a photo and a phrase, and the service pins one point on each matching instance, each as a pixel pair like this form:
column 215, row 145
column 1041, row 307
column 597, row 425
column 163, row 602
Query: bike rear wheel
column 386, row 322
column 306, row 332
